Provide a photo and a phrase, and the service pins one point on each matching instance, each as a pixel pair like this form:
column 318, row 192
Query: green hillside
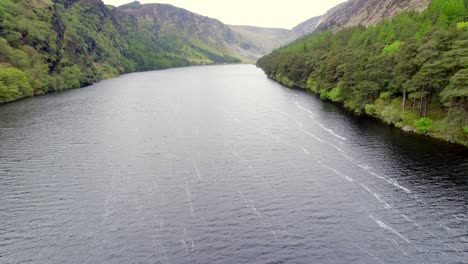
column 48, row 46
column 410, row 71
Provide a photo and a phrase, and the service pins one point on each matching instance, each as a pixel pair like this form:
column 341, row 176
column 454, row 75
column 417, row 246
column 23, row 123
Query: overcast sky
column 263, row 13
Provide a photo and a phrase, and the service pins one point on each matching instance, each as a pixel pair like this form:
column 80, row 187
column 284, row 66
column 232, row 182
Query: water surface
column 221, row 165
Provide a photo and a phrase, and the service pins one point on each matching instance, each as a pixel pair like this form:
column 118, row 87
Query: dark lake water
column 219, row 164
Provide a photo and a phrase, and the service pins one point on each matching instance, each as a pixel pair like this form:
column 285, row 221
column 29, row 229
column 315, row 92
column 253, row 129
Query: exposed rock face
column 366, row 12
column 304, row 28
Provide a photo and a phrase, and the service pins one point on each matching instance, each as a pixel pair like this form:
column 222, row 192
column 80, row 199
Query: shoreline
column 405, row 129
column 121, row 74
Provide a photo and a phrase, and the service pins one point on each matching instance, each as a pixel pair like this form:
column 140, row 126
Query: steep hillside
column 200, row 32
column 366, row 12
column 410, row 71
column 304, row 28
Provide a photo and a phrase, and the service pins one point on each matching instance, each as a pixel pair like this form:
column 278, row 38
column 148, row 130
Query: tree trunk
column 403, row 104
column 426, row 101
column 421, row 107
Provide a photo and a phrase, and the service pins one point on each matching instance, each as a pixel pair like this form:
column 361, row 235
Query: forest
column 410, row 71
column 48, row 46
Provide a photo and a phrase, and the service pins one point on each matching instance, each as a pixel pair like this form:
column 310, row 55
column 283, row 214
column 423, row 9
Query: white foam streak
column 189, row 198
column 304, row 109
column 274, row 234
column 346, row 177
column 370, row 254
column 383, row 225
column 306, row 151
column 196, row 169
column 327, row 129
column 236, row 154
column 390, row 181
column 313, row 136
column 376, row 196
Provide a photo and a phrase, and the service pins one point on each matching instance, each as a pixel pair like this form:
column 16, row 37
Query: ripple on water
column 209, row 167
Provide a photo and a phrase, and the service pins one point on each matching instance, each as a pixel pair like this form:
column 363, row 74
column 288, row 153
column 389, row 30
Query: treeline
column 48, row 46
column 411, row 71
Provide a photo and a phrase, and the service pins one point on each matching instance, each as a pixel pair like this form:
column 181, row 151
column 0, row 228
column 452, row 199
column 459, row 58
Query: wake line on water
column 312, row 115
column 346, row 177
column 369, row 170
column 249, row 204
column 304, row 109
column 189, row 198
column 278, row 111
column 370, row 254
column 327, row 129
column 313, row 136
column 362, row 185
column 196, row 169
column 383, row 225
column 236, row 154
column 390, row 181
column 376, row 196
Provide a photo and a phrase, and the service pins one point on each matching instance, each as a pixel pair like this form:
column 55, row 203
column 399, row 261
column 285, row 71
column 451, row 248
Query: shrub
column 323, row 93
column 462, row 25
column 391, row 113
column 370, row 109
column 14, row 84
column 423, row 124
column 408, row 117
column 337, row 94
column 392, row 48
column 385, row 95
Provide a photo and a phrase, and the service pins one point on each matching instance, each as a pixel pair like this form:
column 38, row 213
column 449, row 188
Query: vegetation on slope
column 48, row 46
column 411, row 71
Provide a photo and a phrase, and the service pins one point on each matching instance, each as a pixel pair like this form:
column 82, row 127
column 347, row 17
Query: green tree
column 14, row 84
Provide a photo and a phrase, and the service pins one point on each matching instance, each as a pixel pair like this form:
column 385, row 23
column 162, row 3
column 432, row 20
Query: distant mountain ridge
column 267, row 39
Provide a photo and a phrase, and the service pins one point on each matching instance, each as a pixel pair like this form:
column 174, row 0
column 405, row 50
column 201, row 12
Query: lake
column 219, row 164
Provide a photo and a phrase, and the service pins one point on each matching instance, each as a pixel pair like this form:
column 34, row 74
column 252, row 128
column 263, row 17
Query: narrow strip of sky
column 261, row 13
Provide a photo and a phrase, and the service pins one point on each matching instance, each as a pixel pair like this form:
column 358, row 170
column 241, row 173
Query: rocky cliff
column 366, row 12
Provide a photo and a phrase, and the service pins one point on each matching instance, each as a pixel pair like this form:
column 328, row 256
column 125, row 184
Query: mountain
column 199, row 31
column 48, row 46
column 269, row 39
column 366, row 12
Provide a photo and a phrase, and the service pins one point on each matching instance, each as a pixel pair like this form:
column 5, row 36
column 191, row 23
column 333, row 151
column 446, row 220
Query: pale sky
column 262, row 13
